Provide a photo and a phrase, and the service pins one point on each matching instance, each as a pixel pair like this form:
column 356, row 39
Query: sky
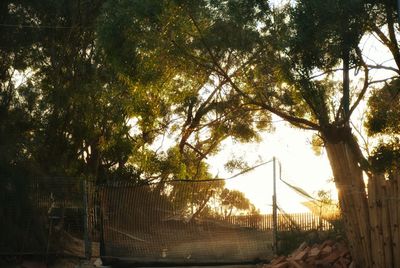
column 300, row 167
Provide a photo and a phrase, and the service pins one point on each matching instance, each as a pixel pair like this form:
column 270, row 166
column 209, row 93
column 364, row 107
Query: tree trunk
column 371, row 220
column 383, row 200
column 353, row 200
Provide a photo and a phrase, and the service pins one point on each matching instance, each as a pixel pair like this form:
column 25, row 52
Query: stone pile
column 327, row 254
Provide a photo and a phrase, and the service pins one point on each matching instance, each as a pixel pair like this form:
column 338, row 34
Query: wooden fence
column 286, row 222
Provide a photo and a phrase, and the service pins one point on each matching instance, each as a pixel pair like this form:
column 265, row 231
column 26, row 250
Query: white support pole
column 274, row 211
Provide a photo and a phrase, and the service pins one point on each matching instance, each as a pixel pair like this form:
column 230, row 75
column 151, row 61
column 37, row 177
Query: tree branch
column 296, row 121
column 365, row 86
column 382, row 67
column 392, row 34
column 383, row 80
column 393, row 48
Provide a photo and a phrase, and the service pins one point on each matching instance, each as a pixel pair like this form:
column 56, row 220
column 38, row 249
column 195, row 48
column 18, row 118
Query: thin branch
column 383, row 80
column 197, row 60
column 382, row 67
column 387, row 42
column 196, row 150
column 338, row 111
column 211, row 96
column 329, row 71
column 365, row 86
column 392, row 34
column 191, row 122
column 296, row 121
column 161, row 144
column 366, row 148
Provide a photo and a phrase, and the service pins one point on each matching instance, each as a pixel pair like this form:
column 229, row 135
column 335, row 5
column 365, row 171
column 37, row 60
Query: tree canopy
column 87, row 89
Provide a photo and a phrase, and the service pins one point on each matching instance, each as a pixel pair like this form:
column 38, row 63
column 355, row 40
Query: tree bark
column 371, row 215
column 352, row 199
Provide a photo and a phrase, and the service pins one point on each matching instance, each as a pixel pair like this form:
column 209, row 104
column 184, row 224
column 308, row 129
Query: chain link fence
column 46, row 216
column 177, row 222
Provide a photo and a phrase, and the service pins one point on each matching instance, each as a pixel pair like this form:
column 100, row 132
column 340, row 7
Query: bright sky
column 300, row 167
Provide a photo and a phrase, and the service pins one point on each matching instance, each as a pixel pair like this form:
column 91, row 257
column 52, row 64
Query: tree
column 285, row 65
column 233, row 199
column 201, row 99
column 17, row 93
column 383, row 123
column 74, row 111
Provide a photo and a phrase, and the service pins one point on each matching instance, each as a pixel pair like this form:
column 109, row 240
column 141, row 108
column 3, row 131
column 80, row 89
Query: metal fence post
column 274, row 211
column 88, row 247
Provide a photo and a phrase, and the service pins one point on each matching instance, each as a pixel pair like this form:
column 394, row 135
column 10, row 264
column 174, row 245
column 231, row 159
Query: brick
column 278, row 260
column 338, row 265
column 302, row 246
column 295, row 264
column 326, row 255
column 326, row 250
column 299, row 249
column 327, row 243
column 310, row 259
column 314, row 252
column 281, row 265
column 344, row 261
column 331, row 258
column 301, row 255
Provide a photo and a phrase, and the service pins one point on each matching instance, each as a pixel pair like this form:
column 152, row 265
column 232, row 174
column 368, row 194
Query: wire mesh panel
column 20, row 230
column 42, row 216
column 178, row 222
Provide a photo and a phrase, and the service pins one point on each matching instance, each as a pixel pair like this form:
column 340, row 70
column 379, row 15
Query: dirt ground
column 29, row 262
column 79, row 263
column 213, row 244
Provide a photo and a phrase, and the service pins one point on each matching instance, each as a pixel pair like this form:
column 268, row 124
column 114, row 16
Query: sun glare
column 301, row 167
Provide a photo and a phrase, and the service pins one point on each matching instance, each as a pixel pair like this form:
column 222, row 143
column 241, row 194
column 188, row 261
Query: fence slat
column 286, row 222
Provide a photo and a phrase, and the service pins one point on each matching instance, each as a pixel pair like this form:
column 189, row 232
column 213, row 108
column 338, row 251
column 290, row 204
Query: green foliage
column 325, row 29
column 384, row 110
column 233, row 199
column 236, row 164
column 386, row 156
column 383, row 121
column 167, row 40
column 317, row 144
